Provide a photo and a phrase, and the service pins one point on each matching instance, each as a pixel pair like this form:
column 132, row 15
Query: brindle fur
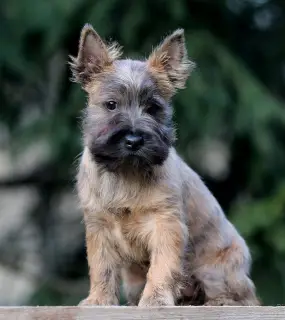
column 149, row 218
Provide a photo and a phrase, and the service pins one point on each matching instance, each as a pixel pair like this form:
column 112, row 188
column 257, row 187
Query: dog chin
column 134, row 162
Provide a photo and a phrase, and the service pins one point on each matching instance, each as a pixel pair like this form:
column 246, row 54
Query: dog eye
column 111, row 105
column 153, row 108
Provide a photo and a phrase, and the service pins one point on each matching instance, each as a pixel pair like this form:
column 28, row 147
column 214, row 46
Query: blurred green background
column 230, row 120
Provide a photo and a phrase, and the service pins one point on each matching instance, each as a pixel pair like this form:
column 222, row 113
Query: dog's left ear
column 170, row 57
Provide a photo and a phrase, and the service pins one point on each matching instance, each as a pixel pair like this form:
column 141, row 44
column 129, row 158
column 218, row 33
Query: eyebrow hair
column 144, row 89
column 146, row 92
column 115, row 86
column 158, row 100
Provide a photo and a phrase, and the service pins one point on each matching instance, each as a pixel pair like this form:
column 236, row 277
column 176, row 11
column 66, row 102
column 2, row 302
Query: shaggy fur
column 150, row 220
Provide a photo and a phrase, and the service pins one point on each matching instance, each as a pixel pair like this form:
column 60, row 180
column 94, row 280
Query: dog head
column 128, row 120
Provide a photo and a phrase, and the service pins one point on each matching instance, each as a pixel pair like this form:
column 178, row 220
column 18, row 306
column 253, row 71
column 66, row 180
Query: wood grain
column 128, row 313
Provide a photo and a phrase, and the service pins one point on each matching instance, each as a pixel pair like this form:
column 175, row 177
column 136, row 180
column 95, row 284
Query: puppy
column 150, row 220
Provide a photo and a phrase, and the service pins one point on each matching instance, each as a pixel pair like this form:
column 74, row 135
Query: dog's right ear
column 94, row 56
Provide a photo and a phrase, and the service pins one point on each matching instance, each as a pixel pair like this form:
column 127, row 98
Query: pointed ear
column 170, row 57
column 94, row 55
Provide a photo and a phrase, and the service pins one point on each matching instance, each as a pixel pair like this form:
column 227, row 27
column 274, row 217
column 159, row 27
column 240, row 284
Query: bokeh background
column 230, row 120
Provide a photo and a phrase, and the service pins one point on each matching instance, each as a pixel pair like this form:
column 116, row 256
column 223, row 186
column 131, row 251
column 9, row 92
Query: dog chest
column 128, row 235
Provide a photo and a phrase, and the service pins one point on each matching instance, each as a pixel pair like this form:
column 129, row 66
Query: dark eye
column 111, row 105
column 153, row 108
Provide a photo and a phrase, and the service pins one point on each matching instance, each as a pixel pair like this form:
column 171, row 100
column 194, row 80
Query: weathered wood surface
column 132, row 313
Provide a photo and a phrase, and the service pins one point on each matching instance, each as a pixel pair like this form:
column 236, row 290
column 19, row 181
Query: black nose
column 133, row 141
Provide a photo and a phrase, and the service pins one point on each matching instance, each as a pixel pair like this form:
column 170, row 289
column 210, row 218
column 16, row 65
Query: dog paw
column 93, row 301
column 232, row 302
column 222, row 302
column 154, row 301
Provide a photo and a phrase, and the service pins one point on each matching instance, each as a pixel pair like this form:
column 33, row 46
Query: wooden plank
column 134, row 313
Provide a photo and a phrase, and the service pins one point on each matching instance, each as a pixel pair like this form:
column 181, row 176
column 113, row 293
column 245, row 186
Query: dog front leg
column 167, row 243
column 103, row 270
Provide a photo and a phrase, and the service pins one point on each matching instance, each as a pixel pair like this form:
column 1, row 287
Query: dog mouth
column 123, row 159
column 127, row 150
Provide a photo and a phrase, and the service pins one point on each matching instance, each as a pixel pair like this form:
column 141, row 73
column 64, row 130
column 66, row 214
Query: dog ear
column 170, row 57
column 94, row 56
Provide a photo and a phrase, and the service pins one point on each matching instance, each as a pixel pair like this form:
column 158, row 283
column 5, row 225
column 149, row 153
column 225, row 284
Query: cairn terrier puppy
column 150, row 220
